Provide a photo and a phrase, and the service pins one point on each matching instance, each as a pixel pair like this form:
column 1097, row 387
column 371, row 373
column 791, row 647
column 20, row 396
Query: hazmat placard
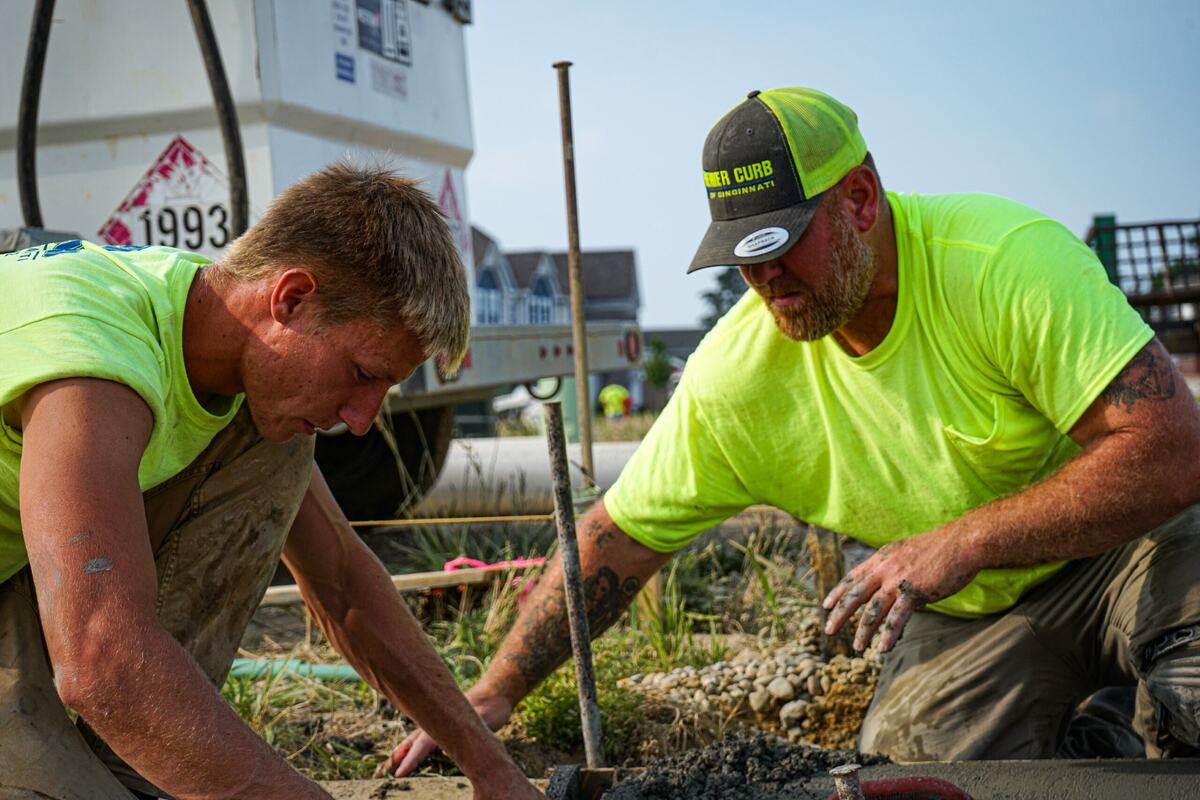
column 182, row 201
column 448, row 200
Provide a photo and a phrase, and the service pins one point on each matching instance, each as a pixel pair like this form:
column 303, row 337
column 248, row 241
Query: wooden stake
column 829, row 567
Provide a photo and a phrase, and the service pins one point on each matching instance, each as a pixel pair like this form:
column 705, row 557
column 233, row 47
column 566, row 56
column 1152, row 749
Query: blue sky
column 1073, row 108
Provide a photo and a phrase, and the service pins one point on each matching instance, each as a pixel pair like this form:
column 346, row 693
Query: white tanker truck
column 131, row 148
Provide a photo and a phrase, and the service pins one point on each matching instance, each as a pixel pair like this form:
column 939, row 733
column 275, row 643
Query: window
column 541, row 302
column 489, row 300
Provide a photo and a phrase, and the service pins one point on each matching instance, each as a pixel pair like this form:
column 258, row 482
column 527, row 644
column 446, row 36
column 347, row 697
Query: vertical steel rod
column 845, row 780
column 568, row 550
column 583, row 397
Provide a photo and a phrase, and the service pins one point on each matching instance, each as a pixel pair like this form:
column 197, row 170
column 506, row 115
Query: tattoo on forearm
column 547, row 641
column 1147, row 377
column 594, row 529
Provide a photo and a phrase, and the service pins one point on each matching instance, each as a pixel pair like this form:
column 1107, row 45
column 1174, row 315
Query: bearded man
column 950, row 379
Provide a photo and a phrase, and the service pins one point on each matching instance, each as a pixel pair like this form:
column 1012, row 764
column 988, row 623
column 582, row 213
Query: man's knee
column 1172, row 679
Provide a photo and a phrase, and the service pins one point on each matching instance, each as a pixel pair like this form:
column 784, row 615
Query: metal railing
column 1157, row 266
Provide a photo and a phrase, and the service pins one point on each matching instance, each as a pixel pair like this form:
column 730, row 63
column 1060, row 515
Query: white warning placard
column 182, row 201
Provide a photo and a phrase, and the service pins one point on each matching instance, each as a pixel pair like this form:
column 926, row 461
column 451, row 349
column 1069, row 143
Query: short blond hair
column 379, row 247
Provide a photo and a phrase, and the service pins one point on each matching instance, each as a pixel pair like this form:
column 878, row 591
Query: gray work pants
column 1005, row 686
column 217, row 530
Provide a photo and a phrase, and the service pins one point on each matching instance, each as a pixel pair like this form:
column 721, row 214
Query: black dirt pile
column 741, row 766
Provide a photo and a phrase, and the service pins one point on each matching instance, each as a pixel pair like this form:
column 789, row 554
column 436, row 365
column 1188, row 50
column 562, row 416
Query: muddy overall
column 217, row 530
column 1006, row 686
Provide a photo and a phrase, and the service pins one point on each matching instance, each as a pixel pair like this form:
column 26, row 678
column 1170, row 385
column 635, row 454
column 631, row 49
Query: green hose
column 262, row 667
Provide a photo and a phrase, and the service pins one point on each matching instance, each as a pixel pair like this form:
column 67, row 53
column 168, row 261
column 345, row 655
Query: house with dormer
column 545, row 299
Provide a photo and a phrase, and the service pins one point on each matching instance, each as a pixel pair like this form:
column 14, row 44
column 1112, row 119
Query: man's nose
column 762, row 274
column 360, row 410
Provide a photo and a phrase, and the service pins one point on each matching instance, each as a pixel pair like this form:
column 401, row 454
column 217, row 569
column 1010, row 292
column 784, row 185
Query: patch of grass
column 668, row 629
column 550, row 713
column 315, row 725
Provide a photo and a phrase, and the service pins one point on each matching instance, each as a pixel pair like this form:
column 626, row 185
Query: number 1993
column 189, row 227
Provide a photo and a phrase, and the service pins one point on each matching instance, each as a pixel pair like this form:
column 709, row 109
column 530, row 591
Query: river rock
column 792, row 713
column 781, row 689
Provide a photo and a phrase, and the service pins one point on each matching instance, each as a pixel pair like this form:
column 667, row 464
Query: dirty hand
column 408, row 755
column 901, row 578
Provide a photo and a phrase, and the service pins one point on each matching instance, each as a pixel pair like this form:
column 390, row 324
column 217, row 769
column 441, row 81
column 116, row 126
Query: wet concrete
column 1132, row 779
column 1124, row 779
column 740, row 767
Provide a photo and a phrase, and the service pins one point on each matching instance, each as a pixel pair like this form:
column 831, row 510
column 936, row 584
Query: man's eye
column 362, row 376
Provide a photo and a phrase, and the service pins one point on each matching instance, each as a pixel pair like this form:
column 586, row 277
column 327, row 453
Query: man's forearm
column 1114, row 491
column 368, row 623
column 151, row 704
column 614, row 568
column 1139, row 467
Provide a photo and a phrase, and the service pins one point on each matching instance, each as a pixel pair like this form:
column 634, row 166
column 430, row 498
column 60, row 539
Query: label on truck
column 181, row 201
column 383, row 29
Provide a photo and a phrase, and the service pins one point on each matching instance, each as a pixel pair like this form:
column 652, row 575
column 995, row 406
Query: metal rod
column 568, row 550
column 583, row 400
column 845, row 780
column 27, row 113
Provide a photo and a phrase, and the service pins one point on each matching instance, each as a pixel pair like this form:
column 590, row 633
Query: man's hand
column 408, row 755
column 901, row 578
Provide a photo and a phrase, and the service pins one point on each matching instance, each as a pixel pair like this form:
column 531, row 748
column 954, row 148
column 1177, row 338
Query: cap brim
column 720, row 243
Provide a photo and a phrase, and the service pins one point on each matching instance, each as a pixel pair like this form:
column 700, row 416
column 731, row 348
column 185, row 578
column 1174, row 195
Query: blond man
column 158, row 411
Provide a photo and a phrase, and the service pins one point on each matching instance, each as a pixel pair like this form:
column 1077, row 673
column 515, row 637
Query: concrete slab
column 406, row 789
column 1132, row 779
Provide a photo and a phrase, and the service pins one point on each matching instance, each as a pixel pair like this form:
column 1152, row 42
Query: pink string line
column 525, row 582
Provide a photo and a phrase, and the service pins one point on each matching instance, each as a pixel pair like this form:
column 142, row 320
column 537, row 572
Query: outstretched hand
column 408, row 755
column 900, row 579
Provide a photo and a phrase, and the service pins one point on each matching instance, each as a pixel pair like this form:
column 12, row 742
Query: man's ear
column 293, row 294
column 860, row 193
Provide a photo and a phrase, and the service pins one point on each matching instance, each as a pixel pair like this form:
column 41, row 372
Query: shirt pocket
column 1013, row 453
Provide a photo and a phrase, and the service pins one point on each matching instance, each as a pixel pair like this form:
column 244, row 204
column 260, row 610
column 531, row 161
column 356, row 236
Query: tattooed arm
column 1140, row 465
column 614, row 568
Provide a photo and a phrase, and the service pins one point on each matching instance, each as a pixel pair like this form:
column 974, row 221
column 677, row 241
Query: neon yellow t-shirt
column 1006, row 330
column 77, row 309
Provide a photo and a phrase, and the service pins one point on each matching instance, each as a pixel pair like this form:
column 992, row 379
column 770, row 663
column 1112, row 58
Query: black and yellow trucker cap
column 766, row 164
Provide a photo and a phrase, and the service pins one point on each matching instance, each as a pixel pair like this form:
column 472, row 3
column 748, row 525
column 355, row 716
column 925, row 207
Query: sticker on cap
column 761, row 241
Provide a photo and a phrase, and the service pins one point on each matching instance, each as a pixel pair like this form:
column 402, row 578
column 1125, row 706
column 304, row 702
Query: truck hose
column 239, row 201
column 27, row 114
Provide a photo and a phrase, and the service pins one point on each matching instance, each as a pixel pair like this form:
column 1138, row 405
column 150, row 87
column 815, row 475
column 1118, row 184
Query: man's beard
column 853, row 271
